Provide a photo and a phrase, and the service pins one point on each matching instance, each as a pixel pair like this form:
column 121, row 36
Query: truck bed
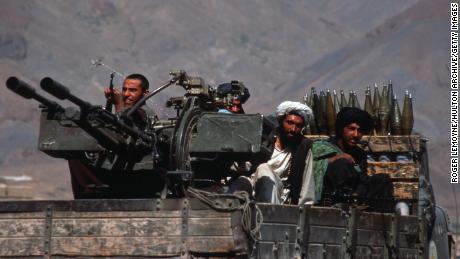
column 189, row 228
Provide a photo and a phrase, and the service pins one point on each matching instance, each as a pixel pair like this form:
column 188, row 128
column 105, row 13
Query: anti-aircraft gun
column 95, row 121
column 195, row 148
column 99, row 139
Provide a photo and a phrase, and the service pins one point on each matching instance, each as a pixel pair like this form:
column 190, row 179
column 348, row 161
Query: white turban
column 289, row 107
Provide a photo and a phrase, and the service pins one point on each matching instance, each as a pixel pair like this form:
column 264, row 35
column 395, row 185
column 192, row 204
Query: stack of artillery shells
column 383, row 107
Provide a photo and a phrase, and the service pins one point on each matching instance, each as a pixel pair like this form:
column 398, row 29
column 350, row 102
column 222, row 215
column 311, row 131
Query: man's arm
column 345, row 156
column 307, row 192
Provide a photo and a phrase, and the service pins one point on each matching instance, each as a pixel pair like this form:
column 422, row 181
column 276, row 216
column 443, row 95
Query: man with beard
column 340, row 165
column 287, row 176
column 90, row 180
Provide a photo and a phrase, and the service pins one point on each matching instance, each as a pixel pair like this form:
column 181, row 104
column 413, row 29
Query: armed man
column 135, row 86
column 88, row 180
column 287, row 176
column 340, row 165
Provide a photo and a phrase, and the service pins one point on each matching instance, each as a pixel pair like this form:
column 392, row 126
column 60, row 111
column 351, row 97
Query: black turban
column 349, row 115
column 234, row 88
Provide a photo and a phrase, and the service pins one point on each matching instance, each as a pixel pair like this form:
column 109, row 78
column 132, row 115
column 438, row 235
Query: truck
column 189, row 214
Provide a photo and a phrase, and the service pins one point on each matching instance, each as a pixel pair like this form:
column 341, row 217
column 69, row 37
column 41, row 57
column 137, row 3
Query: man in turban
column 287, row 176
column 233, row 95
column 340, row 165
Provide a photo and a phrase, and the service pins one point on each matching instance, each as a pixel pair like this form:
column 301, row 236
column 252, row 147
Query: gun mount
column 195, row 148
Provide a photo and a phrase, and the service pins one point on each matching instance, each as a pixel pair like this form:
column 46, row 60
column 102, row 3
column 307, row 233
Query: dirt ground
column 49, row 180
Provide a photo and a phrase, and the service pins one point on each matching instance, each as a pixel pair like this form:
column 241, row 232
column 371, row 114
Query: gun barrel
column 59, row 91
column 25, row 90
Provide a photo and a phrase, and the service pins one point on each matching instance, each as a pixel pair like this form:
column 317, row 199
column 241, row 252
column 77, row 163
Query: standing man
column 287, row 176
column 340, row 165
column 90, row 180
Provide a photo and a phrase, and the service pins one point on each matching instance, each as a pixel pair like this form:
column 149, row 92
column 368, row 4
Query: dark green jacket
column 322, row 151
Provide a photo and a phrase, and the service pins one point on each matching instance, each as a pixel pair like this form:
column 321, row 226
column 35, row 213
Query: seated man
column 286, row 177
column 340, row 165
column 89, row 180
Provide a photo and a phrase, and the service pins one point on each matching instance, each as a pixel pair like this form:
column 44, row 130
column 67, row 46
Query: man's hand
column 117, row 98
column 345, row 156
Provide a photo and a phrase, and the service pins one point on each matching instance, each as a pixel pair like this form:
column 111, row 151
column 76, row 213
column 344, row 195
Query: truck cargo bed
column 189, row 228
